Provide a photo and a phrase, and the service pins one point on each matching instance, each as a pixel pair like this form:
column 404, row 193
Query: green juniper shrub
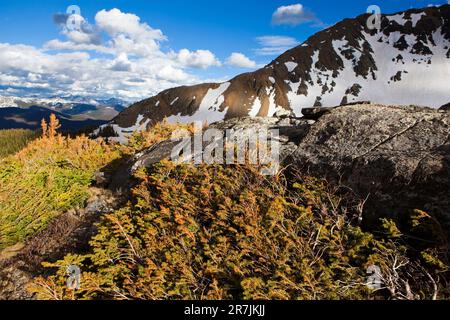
column 228, row 232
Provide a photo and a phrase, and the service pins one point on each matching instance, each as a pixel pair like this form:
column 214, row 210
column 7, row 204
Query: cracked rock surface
column 397, row 157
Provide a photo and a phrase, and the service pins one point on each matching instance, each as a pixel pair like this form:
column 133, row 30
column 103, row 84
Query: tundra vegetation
column 213, row 231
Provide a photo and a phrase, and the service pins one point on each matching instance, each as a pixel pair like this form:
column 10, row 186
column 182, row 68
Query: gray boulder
column 396, row 157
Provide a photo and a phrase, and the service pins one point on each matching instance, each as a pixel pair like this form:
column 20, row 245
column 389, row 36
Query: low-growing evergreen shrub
column 213, row 232
column 49, row 176
column 53, row 174
column 227, row 232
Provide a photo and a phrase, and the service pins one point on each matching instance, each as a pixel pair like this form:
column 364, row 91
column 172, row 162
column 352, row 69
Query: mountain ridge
column 30, row 118
column 75, row 113
column 343, row 64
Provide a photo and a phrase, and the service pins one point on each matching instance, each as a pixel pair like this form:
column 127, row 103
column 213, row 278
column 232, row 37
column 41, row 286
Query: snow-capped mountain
column 406, row 61
column 17, row 102
column 57, row 102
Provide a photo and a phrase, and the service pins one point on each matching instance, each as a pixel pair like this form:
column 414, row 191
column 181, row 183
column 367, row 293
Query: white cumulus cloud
column 121, row 63
column 201, row 59
column 118, row 56
column 77, row 29
column 292, row 15
column 237, row 59
column 128, row 33
column 116, row 22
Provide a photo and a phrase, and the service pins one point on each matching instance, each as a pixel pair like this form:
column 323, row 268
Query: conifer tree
column 53, row 125
column 44, row 127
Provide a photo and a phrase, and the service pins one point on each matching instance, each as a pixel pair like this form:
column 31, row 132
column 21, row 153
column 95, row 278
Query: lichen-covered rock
column 396, row 157
column 291, row 131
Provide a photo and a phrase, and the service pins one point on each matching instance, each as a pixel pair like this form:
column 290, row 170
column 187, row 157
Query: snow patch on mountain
column 255, row 108
column 209, row 109
column 415, row 17
column 291, row 66
column 416, row 78
column 123, row 134
column 398, row 18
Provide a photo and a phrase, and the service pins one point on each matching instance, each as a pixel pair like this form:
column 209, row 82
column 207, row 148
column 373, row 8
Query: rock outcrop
column 445, row 107
column 397, row 158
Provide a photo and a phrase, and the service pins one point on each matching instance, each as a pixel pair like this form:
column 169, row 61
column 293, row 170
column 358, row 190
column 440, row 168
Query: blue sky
column 163, row 39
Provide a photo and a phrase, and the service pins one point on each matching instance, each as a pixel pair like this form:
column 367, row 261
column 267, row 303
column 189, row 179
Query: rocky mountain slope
column 405, row 62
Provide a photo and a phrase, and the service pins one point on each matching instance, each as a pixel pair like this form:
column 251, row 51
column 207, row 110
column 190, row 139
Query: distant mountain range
column 406, row 61
column 75, row 113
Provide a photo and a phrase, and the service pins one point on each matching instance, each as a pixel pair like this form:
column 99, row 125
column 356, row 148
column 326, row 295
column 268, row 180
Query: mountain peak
column 405, row 62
